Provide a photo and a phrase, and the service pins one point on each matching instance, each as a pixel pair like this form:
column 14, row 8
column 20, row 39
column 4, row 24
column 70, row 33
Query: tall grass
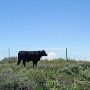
column 49, row 75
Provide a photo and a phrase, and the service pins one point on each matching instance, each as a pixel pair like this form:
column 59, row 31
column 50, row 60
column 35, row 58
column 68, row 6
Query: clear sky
column 27, row 24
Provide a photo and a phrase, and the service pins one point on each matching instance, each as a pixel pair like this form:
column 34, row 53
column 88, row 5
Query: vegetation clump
column 49, row 75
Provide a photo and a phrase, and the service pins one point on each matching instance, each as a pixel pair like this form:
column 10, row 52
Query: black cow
column 27, row 56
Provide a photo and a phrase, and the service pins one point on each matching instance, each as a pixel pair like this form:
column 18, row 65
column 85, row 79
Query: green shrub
column 49, row 75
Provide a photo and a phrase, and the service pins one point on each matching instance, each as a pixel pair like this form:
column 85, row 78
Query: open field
column 49, row 75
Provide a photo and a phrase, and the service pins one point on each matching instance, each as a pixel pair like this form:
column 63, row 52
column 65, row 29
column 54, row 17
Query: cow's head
column 43, row 53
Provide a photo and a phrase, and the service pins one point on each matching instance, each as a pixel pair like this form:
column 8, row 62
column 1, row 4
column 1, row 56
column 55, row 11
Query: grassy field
column 49, row 75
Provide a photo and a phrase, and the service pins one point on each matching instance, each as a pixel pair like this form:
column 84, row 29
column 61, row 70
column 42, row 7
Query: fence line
column 54, row 52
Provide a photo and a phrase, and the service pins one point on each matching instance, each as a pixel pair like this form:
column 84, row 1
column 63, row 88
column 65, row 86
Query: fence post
column 9, row 53
column 66, row 54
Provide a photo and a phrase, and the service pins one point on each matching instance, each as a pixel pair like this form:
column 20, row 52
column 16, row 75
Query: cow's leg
column 24, row 63
column 19, row 61
column 33, row 63
column 36, row 64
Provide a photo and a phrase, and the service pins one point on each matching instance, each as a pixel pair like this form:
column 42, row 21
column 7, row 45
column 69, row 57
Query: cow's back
column 29, row 55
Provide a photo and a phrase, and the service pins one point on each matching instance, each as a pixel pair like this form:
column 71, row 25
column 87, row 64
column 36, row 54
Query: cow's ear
column 43, row 50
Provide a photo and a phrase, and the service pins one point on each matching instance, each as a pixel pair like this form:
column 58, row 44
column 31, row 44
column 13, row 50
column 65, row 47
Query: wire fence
column 53, row 53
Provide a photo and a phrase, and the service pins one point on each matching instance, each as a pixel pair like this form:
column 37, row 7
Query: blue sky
column 27, row 24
